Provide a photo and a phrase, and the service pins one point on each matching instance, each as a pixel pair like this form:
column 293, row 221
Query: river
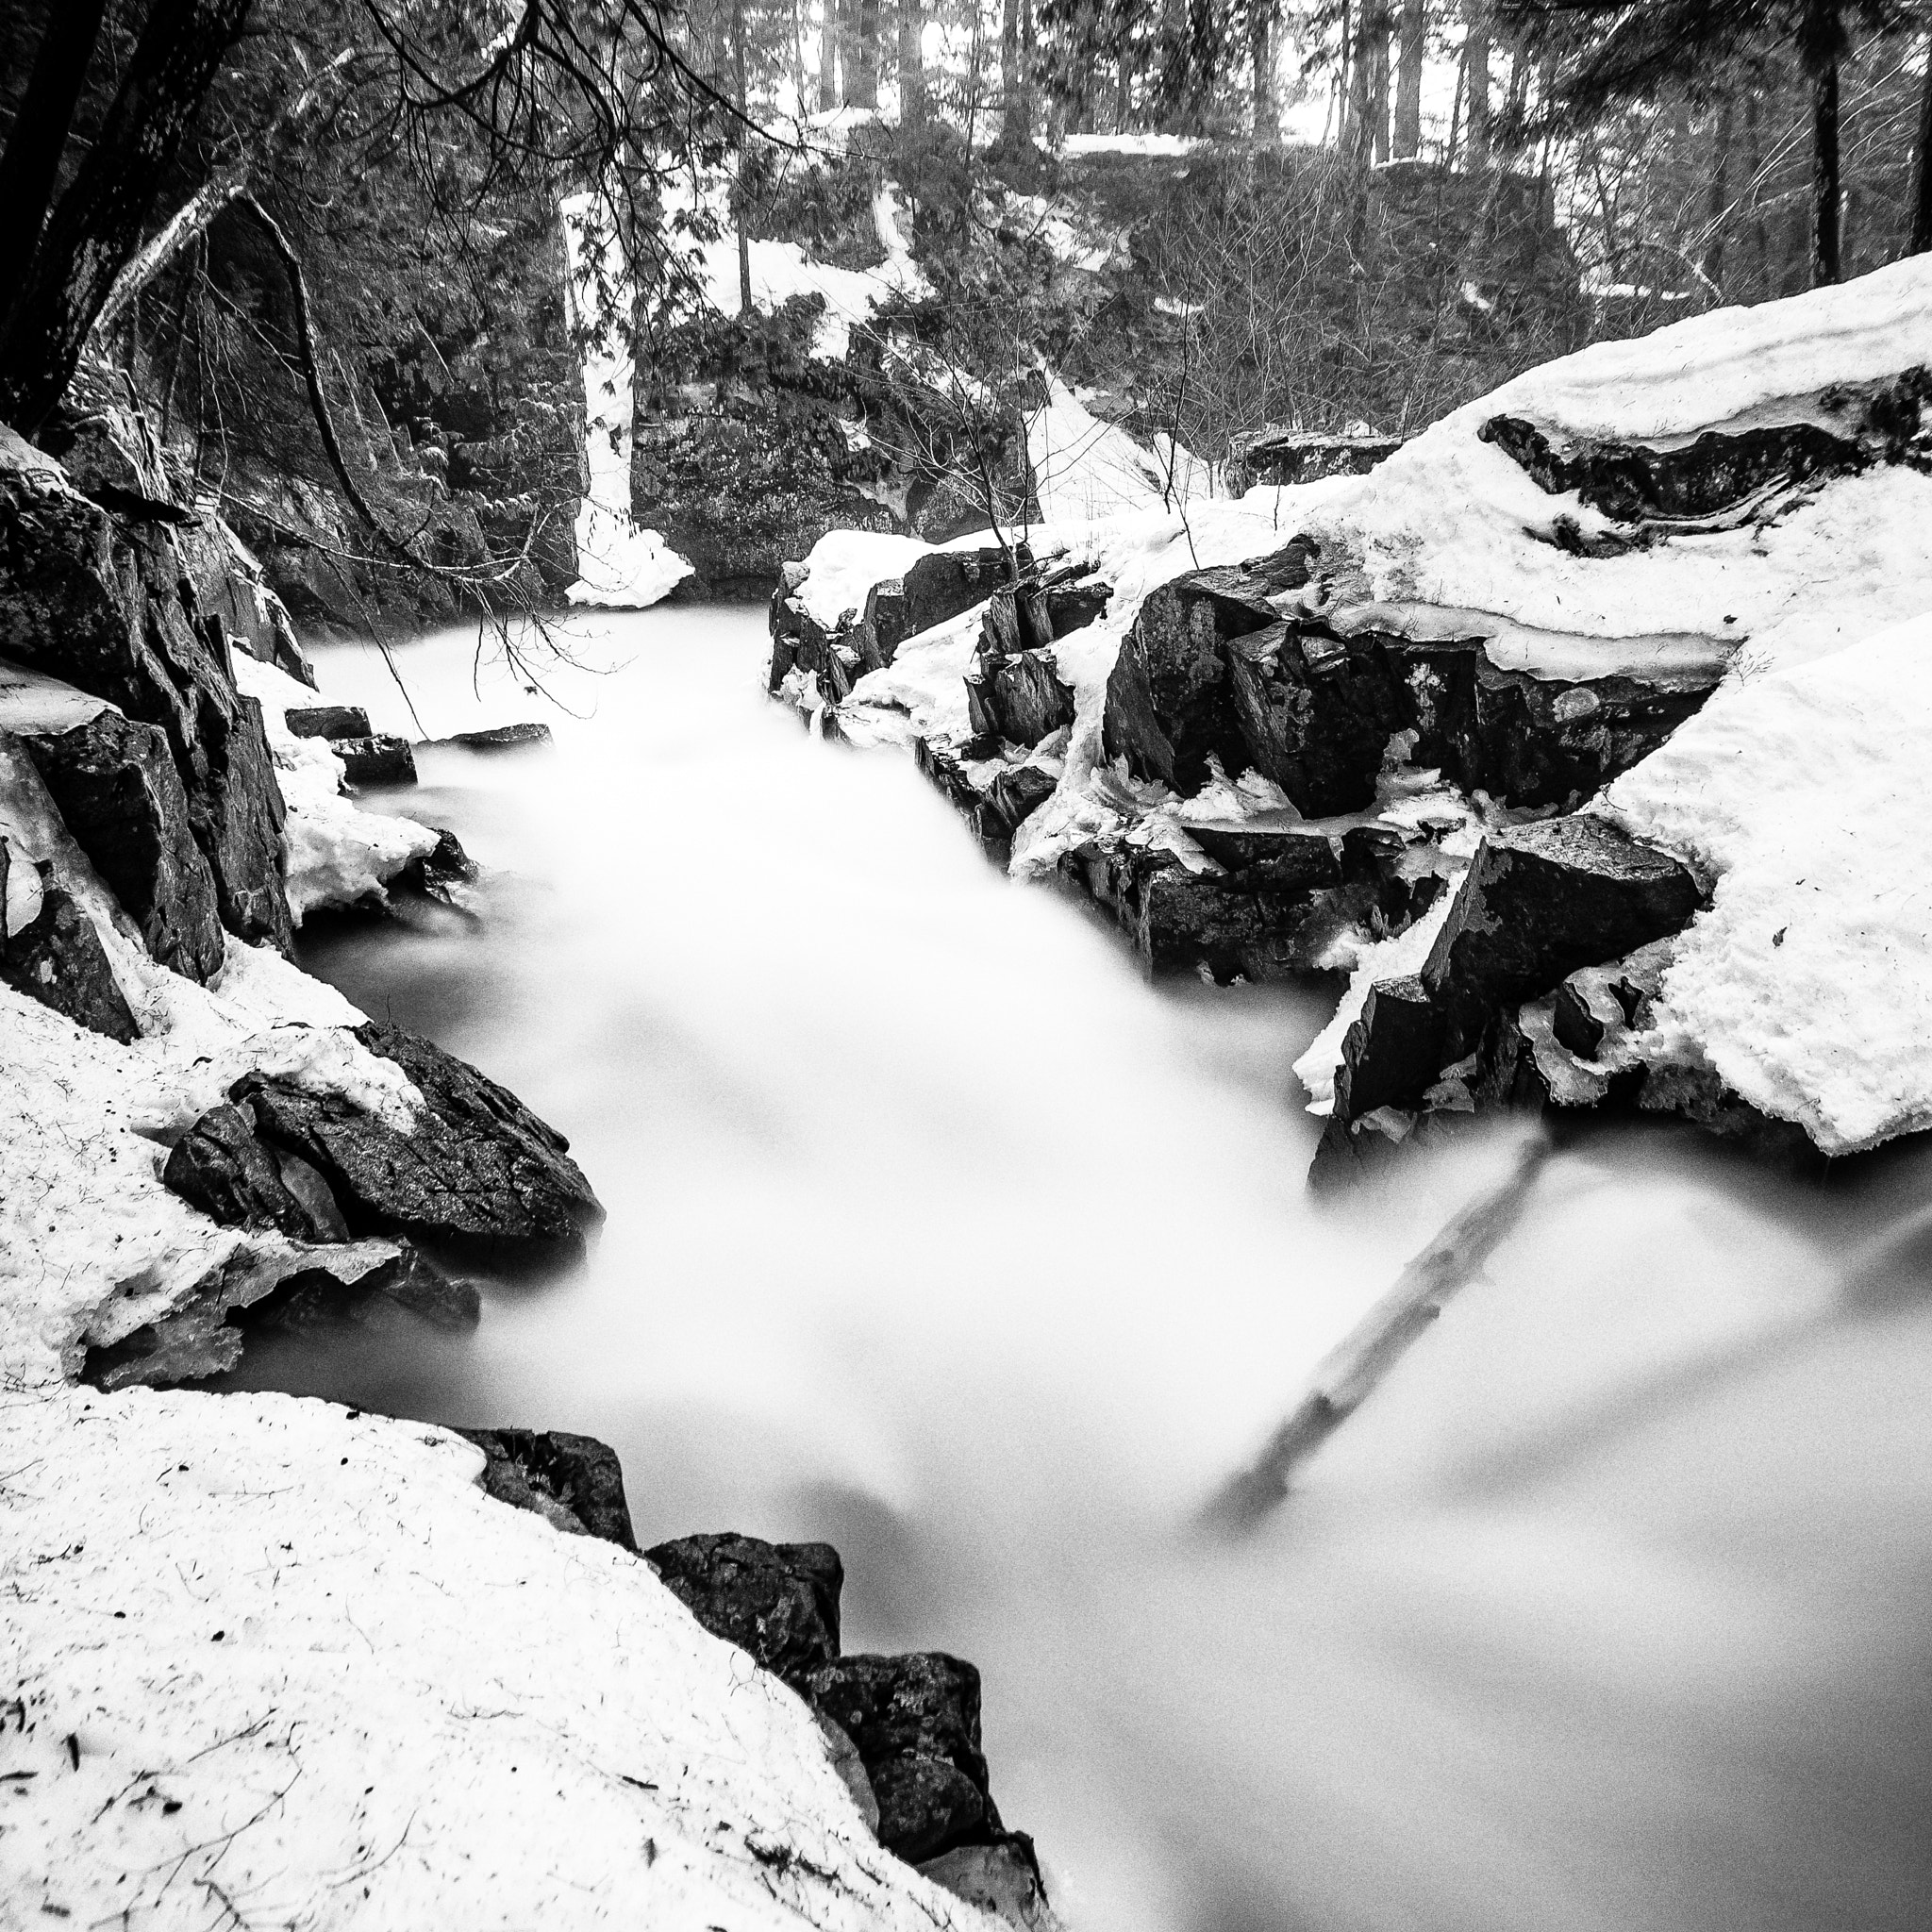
column 936, row 1232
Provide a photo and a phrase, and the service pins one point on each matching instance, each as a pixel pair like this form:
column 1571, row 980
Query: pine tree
column 1613, row 51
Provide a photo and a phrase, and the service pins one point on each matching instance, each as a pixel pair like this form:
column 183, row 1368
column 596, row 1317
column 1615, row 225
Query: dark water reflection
column 934, row 1232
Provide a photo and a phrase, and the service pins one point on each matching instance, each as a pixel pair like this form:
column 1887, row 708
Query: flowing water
column 936, row 1232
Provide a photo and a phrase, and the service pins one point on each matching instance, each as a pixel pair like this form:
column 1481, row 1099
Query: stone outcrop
column 222, row 1166
column 50, row 951
column 777, row 1600
column 912, row 1720
column 327, row 721
column 574, row 1482
column 117, row 786
column 106, row 602
column 1540, row 902
column 499, row 736
column 480, row 1176
column 376, row 758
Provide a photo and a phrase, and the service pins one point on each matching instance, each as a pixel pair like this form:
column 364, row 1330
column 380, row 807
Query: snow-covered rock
column 1611, row 536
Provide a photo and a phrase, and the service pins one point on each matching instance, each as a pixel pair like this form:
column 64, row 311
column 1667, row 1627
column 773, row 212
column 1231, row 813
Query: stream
column 938, row 1233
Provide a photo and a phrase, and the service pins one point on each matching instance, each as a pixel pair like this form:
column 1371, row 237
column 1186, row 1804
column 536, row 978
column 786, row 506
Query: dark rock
column 1284, row 859
column 414, row 1282
column 1575, row 1023
column 1074, row 606
column 116, row 786
column 1392, row 1053
column 1020, row 791
column 499, row 736
column 1001, row 1877
column 576, row 1482
column 480, row 1173
column 57, row 957
column 376, row 760
column 915, row 1719
column 1169, row 703
column 1539, row 902
column 1316, row 711
column 947, row 773
column 1289, row 568
column 1546, row 741
column 1718, row 471
column 1281, row 457
column 221, row 1167
column 327, row 721
column 439, row 872
column 949, row 582
column 777, row 1602
column 1235, row 927
column 887, row 623
column 105, row 602
column 1020, row 699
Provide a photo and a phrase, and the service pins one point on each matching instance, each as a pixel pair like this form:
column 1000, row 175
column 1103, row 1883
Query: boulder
column 1168, row 702
column 1315, row 711
column 777, row 1602
column 50, row 951
column 327, row 721
column 1018, row 699
column 1020, row 791
column 1228, row 928
column 498, row 737
column 1258, row 855
column 222, row 1167
column 479, row 1175
column 105, row 602
column 376, row 759
column 117, row 786
column 1539, row 902
column 1281, row 457
column 949, row 582
column 574, row 1482
column 1074, row 606
column 1001, row 1877
column 1392, row 1052
column 1535, row 741
column 915, row 1719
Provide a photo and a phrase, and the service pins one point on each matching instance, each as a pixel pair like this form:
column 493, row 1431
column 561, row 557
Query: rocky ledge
column 904, row 1730
column 1480, row 731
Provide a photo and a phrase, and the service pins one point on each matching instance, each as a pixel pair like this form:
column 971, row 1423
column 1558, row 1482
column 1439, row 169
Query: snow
column 845, row 564
column 1808, row 983
column 337, row 853
column 1084, row 468
column 1168, row 145
column 31, row 701
column 277, row 1662
column 782, row 270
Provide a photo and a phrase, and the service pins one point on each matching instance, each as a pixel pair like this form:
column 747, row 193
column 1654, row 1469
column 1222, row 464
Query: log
column 1349, row 1373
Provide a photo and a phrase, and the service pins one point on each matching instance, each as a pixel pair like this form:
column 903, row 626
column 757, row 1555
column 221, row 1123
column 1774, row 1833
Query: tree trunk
column 1717, row 203
column 1476, row 66
column 863, row 89
column 911, row 63
column 195, row 215
column 743, row 97
column 1920, row 238
column 95, row 226
column 1362, row 113
column 1826, row 265
column 31, row 165
column 829, row 57
column 1014, row 131
column 1124, row 81
column 1262, row 57
column 1412, row 40
column 1378, row 80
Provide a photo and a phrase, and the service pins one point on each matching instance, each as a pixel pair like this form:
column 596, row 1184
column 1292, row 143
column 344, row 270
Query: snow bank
column 1808, row 983
column 276, row 1664
column 337, row 852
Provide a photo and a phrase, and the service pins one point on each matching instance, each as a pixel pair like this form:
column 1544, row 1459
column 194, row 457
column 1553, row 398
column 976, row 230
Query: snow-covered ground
column 1450, row 536
column 268, row 1662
